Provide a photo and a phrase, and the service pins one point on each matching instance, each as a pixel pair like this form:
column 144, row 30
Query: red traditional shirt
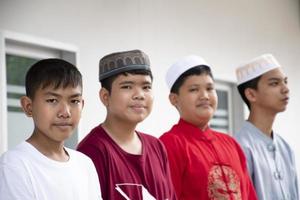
column 206, row 164
column 125, row 176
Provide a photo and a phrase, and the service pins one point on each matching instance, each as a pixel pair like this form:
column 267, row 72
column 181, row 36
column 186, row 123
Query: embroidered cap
column 256, row 68
column 182, row 66
column 124, row 61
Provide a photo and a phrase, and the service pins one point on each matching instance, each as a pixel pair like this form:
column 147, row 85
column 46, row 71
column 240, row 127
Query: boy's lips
column 286, row 99
column 203, row 104
column 62, row 124
column 138, row 106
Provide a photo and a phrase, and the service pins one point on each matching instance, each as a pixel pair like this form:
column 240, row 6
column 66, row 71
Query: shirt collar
column 193, row 131
column 259, row 134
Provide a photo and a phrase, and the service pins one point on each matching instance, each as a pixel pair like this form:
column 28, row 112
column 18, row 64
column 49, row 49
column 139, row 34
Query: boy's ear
column 26, row 104
column 173, row 98
column 104, row 95
column 250, row 94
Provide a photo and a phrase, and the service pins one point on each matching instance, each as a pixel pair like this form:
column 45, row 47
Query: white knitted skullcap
column 182, row 66
column 256, row 67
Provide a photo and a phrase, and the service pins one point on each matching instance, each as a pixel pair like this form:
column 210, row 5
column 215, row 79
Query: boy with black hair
column 204, row 163
column 131, row 165
column 41, row 167
column 270, row 160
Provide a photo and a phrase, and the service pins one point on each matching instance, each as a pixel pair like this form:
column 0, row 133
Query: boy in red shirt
column 205, row 164
column 130, row 164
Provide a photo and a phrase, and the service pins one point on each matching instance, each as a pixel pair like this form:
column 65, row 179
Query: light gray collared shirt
column 271, row 164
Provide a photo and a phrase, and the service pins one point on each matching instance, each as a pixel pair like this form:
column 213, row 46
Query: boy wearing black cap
column 130, row 164
column 204, row 163
column 271, row 163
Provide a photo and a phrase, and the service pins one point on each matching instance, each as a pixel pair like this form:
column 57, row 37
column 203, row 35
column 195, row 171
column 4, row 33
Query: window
column 227, row 118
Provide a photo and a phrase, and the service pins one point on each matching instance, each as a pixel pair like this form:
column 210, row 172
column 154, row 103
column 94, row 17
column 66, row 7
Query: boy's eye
column 193, row 89
column 147, row 87
column 52, row 100
column 126, row 87
column 274, row 83
column 210, row 88
column 75, row 101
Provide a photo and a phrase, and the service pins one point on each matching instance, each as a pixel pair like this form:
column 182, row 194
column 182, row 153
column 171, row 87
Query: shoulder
column 283, row 145
column 78, row 155
column 174, row 141
column 14, row 166
column 151, row 142
column 94, row 140
column 228, row 140
column 16, row 156
column 173, row 135
column 224, row 137
column 244, row 136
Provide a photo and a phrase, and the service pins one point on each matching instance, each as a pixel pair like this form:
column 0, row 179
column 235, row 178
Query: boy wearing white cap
column 204, row 163
column 263, row 87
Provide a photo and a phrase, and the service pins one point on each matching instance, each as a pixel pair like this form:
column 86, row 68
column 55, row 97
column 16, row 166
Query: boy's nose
column 64, row 111
column 203, row 95
column 285, row 88
column 139, row 94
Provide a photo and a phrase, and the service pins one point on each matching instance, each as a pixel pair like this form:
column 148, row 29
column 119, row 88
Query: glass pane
column 16, row 68
column 220, row 121
column 19, row 125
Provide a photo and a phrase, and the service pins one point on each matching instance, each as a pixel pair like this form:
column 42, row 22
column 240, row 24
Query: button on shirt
column 270, row 162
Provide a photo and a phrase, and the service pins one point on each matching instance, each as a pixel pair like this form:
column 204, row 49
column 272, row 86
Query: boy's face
column 196, row 100
column 130, row 99
column 56, row 112
column 272, row 93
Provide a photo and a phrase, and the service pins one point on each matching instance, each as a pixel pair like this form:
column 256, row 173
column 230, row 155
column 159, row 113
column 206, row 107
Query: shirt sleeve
column 176, row 161
column 15, row 183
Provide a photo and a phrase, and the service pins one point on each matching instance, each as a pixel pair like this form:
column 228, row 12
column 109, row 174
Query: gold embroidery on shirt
column 218, row 176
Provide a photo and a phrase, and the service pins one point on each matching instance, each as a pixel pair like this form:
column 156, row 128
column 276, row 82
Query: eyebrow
column 132, row 82
column 58, row 95
column 277, row 79
column 207, row 84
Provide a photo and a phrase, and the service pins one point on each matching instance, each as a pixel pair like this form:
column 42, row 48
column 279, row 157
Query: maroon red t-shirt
column 127, row 176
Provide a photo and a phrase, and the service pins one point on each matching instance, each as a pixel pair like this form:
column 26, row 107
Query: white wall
column 225, row 33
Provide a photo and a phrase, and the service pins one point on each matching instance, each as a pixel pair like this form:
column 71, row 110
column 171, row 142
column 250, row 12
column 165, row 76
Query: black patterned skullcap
column 124, row 61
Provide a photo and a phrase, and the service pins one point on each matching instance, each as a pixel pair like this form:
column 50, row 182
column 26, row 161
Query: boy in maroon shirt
column 131, row 165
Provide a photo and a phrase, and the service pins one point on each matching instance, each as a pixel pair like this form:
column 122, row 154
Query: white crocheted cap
column 182, row 66
column 256, row 68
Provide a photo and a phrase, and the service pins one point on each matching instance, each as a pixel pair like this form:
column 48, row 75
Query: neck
column 51, row 149
column 123, row 133
column 263, row 121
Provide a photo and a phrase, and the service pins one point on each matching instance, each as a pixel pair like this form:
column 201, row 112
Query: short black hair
column 107, row 82
column 197, row 70
column 51, row 72
column 249, row 84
